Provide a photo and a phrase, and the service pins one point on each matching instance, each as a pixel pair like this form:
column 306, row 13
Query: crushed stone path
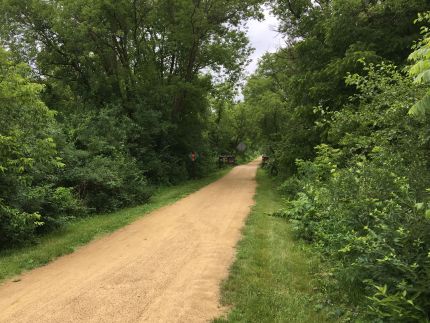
column 165, row 267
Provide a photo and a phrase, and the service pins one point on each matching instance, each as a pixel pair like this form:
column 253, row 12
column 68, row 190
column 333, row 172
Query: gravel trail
column 165, row 267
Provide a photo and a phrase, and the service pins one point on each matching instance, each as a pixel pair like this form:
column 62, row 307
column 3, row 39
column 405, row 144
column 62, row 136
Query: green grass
column 83, row 230
column 271, row 279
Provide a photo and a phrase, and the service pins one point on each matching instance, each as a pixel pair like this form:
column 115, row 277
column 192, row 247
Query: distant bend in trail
column 165, row 267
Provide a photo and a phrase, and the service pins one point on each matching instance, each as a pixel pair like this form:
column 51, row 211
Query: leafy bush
column 107, row 183
column 364, row 204
column 56, row 205
column 17, row 227
column 291, row 186
column 97, row 165
column 28, row 159
column 420, row 70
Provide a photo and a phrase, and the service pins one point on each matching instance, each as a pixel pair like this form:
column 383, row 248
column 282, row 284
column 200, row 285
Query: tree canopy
column 101, row 101
column 346, row 126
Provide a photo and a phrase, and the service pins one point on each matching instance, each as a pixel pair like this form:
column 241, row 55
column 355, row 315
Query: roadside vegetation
column 100, row 101
column 81, row 230
column 343, row 114
column 273, row 277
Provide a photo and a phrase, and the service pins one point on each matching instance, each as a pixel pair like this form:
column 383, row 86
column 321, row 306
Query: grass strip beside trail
column 82, row 230
column 271, row 279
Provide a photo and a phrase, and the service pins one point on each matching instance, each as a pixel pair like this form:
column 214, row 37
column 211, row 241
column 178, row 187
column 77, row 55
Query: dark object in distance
column 265, row 160
column 226, row 160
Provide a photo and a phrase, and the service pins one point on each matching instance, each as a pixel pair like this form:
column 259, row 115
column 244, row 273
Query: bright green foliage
column 278, row 127
column 28, row 156
column 129, row 81
column 140, row 62
column 98, row 165
column 26, row 122
column 305, row 80
column 364, row 203
column 134, row 93
column 356, row 164
column 421, row 68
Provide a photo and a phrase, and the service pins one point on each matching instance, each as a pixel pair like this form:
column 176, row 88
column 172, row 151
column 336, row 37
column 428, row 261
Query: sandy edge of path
column 165, row 267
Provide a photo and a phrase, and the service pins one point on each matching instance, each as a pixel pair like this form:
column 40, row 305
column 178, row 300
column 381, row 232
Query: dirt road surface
column 165, row 267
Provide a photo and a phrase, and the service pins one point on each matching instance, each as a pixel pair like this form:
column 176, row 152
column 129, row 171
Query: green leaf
column 420, row 108
column 423, row 77
column 419, row 206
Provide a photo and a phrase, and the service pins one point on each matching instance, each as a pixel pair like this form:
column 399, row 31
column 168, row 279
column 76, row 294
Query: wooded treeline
column 101, row 100
column 343, row 116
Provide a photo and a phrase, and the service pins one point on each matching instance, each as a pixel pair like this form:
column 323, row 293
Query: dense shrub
column 54, row 204
column 16, row 227
column 364, row 204
column 108, row 183
column 30, row 199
